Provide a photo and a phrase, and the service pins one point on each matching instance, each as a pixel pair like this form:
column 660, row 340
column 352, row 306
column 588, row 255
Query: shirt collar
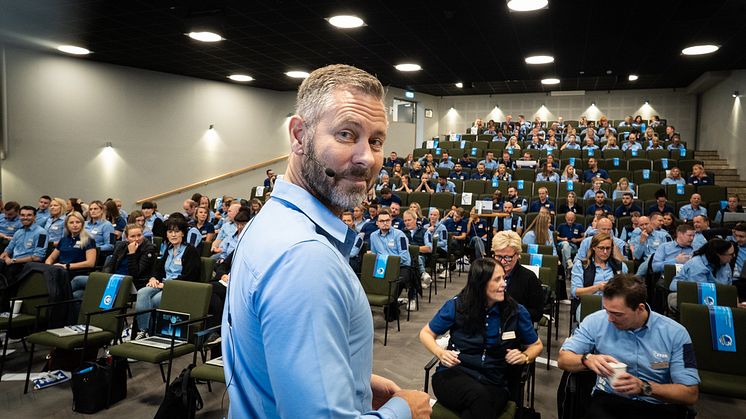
column 327, row 224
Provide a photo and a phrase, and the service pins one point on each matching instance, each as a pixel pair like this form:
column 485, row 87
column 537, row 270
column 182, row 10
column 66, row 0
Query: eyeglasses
column 603, row 248
column 505, row 258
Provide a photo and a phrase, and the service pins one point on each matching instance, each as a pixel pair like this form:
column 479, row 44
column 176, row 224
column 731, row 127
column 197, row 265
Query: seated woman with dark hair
column 489, row 331
column 137, row 217
column 76, row 250
column 180, row 262
column 710, row 263
column 114, row 217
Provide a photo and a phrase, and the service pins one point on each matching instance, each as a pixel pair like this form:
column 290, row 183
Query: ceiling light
column 735, row 94
column 297, row 74
column 632, row 77
column 408, row 67
column 346, row 21
column 205, row 36
column 700, row 49
column 459, row 85
column 527, row 5
column 593, row 103
column 71, row 49
column 550, row 81
column 539, row 59
column 240, row 77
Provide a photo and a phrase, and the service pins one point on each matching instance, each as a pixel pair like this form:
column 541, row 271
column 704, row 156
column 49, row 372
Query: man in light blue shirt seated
column 445, row 185
column 674, row 177
column 631, row 143
column 692, row 209
column 458, row 173
column 645, row 244
column 446, row 162
column 701, row 225
column 29, row 244
column 677, row 251
column 489, row 161
column 42, row 211
column 10, row 222
column 294, row 303
column 661, row 372
column 571, row 144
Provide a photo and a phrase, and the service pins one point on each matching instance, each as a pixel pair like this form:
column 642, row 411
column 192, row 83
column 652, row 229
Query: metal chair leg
column 28, row 368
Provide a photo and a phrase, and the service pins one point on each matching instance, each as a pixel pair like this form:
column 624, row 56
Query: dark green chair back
column 542, row 249
column 187, row 297
column 442, row 200
column 205, row 249
column 34, row 284
column 379, row 288
column 94, row 292
column 589, row 304
column 207, row 266
column 727, row 295
column 669, row 271
column 157, row 242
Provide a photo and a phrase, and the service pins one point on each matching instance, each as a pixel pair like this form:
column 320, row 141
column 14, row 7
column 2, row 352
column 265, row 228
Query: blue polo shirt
column 41, row 217
column 101, row 231
column 454, row 227
column 588, row 175
column 688, row 213
column 666, row 254
column 55, row 228
column 483, row 176
column 697, row 269
column 448, row 187
column 479, row 229
column 536, row 205
column 31, row 241
column 194, row 237
column 322, row 369
column 652, row 243
column 458, row 175
column 441, row 231
column 660, row 351
column 71, row 251
column 9, row 226
column 507, row 223
column 206, row 229
column 173, row 264
column 228, row 229
column 394, row 243
column 574, row 231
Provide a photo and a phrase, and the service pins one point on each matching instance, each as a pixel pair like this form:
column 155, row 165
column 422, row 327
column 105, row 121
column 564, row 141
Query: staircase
column 725, row 175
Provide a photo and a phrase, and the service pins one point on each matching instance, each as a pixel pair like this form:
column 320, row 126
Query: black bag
column 69, row 359
column 98, row 385
column 574, row 394
column 182, row 398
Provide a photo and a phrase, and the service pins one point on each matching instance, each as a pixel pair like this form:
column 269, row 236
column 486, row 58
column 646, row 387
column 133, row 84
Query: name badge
column 55, row 227
column 508, row 335
column 659, row 365
column 177, row 262
column 76, row 245
column 391, row 244
column 29, row 243
column 576, row 231
column 94, row 231
column 11, row 228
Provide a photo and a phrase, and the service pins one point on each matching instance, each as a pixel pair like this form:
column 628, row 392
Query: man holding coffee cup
column 644, row 361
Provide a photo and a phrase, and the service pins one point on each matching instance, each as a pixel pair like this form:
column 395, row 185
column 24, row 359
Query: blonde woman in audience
column 432, row 173
column 76, row 251
column 55, row 224
column 502, row 174
column 513, row 144
column 572, row 205
column 98, row 227
column 583, row 122
column 622, row 187
column 569, row 174
column 418, row 210
column 538, row 232
column 610, row 143
column 699, row 176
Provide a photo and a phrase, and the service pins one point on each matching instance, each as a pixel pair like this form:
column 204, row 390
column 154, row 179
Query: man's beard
column 324, row 187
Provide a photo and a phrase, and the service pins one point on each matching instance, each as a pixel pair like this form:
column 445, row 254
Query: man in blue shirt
column 481, row 173
column 701, row 233
column 396, row 220
column 600, row 203
column 520, row 204
column 678, row 251
column 692, row 209
column 661, row 370
column 227, row 230
column 739, row 261
column 29, row 244
column 489, row 162
column 387, row 197
column 445, row 162
column 628, row 206
column 570, row 235
column 661, row 204
column 510, row 222
column 42, row 212
column 458, row 173
column 456, row 224
column 293, row 302
column 269, row 182
column 631, row 143
column 594, row 172
column 543, row 201
column 445, row 185
column 645, row 244
column 606, row 226
column 9, row 222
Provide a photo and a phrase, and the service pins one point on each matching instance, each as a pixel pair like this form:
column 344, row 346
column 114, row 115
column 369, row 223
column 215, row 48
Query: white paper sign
column 466, row 198
column 259, row 191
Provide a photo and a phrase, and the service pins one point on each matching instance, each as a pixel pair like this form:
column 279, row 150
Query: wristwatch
column 13, row 260
column 584, row 358
column 647, row 389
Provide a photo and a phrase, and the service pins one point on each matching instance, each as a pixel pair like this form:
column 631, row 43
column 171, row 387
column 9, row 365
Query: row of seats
column 497, row 149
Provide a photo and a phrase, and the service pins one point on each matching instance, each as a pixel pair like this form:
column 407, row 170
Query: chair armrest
column 430, row 364
column 111, row 310
column 27, row 297
column 185, row 322
column 206, row 332
column 58, row 303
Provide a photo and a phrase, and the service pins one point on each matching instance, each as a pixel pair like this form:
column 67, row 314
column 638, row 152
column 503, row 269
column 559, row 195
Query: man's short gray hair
column 315, row 93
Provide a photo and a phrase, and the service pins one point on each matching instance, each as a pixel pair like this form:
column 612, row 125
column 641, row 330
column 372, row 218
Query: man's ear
column 297, row 130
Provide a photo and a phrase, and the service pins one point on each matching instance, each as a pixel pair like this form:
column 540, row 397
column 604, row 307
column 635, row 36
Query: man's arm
column 630, row 385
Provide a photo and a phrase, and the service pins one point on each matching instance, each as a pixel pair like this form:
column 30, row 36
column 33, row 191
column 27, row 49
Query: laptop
column 729, row 217
column 483, row 207
column 525, row 164
column 163, row 329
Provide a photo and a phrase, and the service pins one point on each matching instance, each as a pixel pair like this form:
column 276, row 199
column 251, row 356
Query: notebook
column 218, row 362
column 163, row 329
column 75, row 329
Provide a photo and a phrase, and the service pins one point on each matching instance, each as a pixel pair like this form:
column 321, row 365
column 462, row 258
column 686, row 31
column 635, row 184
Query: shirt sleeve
column 582, row 340
column 576, row 280
column 41, row 241
column 310, row 367
column 683, row 366
column 13, row 241
column 106, row 231
column 526, row 332
column 659, row 258
column 444, row 318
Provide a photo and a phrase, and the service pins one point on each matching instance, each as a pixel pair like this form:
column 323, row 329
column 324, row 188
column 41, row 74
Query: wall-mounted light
column 735, row 93
column 647, row 102
column 593, row 103
column 108, row 144
column 212, row 126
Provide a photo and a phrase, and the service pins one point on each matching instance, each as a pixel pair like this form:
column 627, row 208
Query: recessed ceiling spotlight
column 71, row 49
column 205, row 36
column 346, row 21
column 459, row 85
column 527, row 5
column 550, row 80
column 632, row 77
column 240, row 77
column 408, row 67
column 539, row 59
column 297, row 74
column 700, row 49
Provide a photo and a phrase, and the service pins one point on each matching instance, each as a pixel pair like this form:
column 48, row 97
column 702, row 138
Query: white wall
column 62, row 110
column 458, row 112
column 723, row 118
column 402, row 137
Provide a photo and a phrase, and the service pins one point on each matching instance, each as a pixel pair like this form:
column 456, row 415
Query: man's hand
column 600, row 364
column 683, row 257
column 383, row 390
column 419, row 403
column 154, row 283
column 132, row 247
column 627, row 385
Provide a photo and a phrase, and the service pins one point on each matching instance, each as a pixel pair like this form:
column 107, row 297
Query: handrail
column 213, row 179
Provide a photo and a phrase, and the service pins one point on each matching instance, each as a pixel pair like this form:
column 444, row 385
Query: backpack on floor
column 182, row 398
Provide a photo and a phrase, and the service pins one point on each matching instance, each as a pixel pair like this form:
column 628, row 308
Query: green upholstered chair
column 380, row 291
column 517, row 377
column 542, row 249
column 589, row 304
column 206, row 252
column 204, row 371
column 32, row 291
column 90, row 314
column 206, row 268
column 721, row 373
column 727, row 295
column 182, row 296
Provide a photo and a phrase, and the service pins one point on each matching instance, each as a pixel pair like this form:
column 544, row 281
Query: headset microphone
column 327, row 170
column 330, row 172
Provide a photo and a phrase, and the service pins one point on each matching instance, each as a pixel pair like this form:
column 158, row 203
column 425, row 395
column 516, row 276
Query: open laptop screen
column 166, row 319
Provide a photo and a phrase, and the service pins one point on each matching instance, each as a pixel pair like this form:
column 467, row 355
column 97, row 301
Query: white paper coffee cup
column 17, row 306
column 619, row 369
